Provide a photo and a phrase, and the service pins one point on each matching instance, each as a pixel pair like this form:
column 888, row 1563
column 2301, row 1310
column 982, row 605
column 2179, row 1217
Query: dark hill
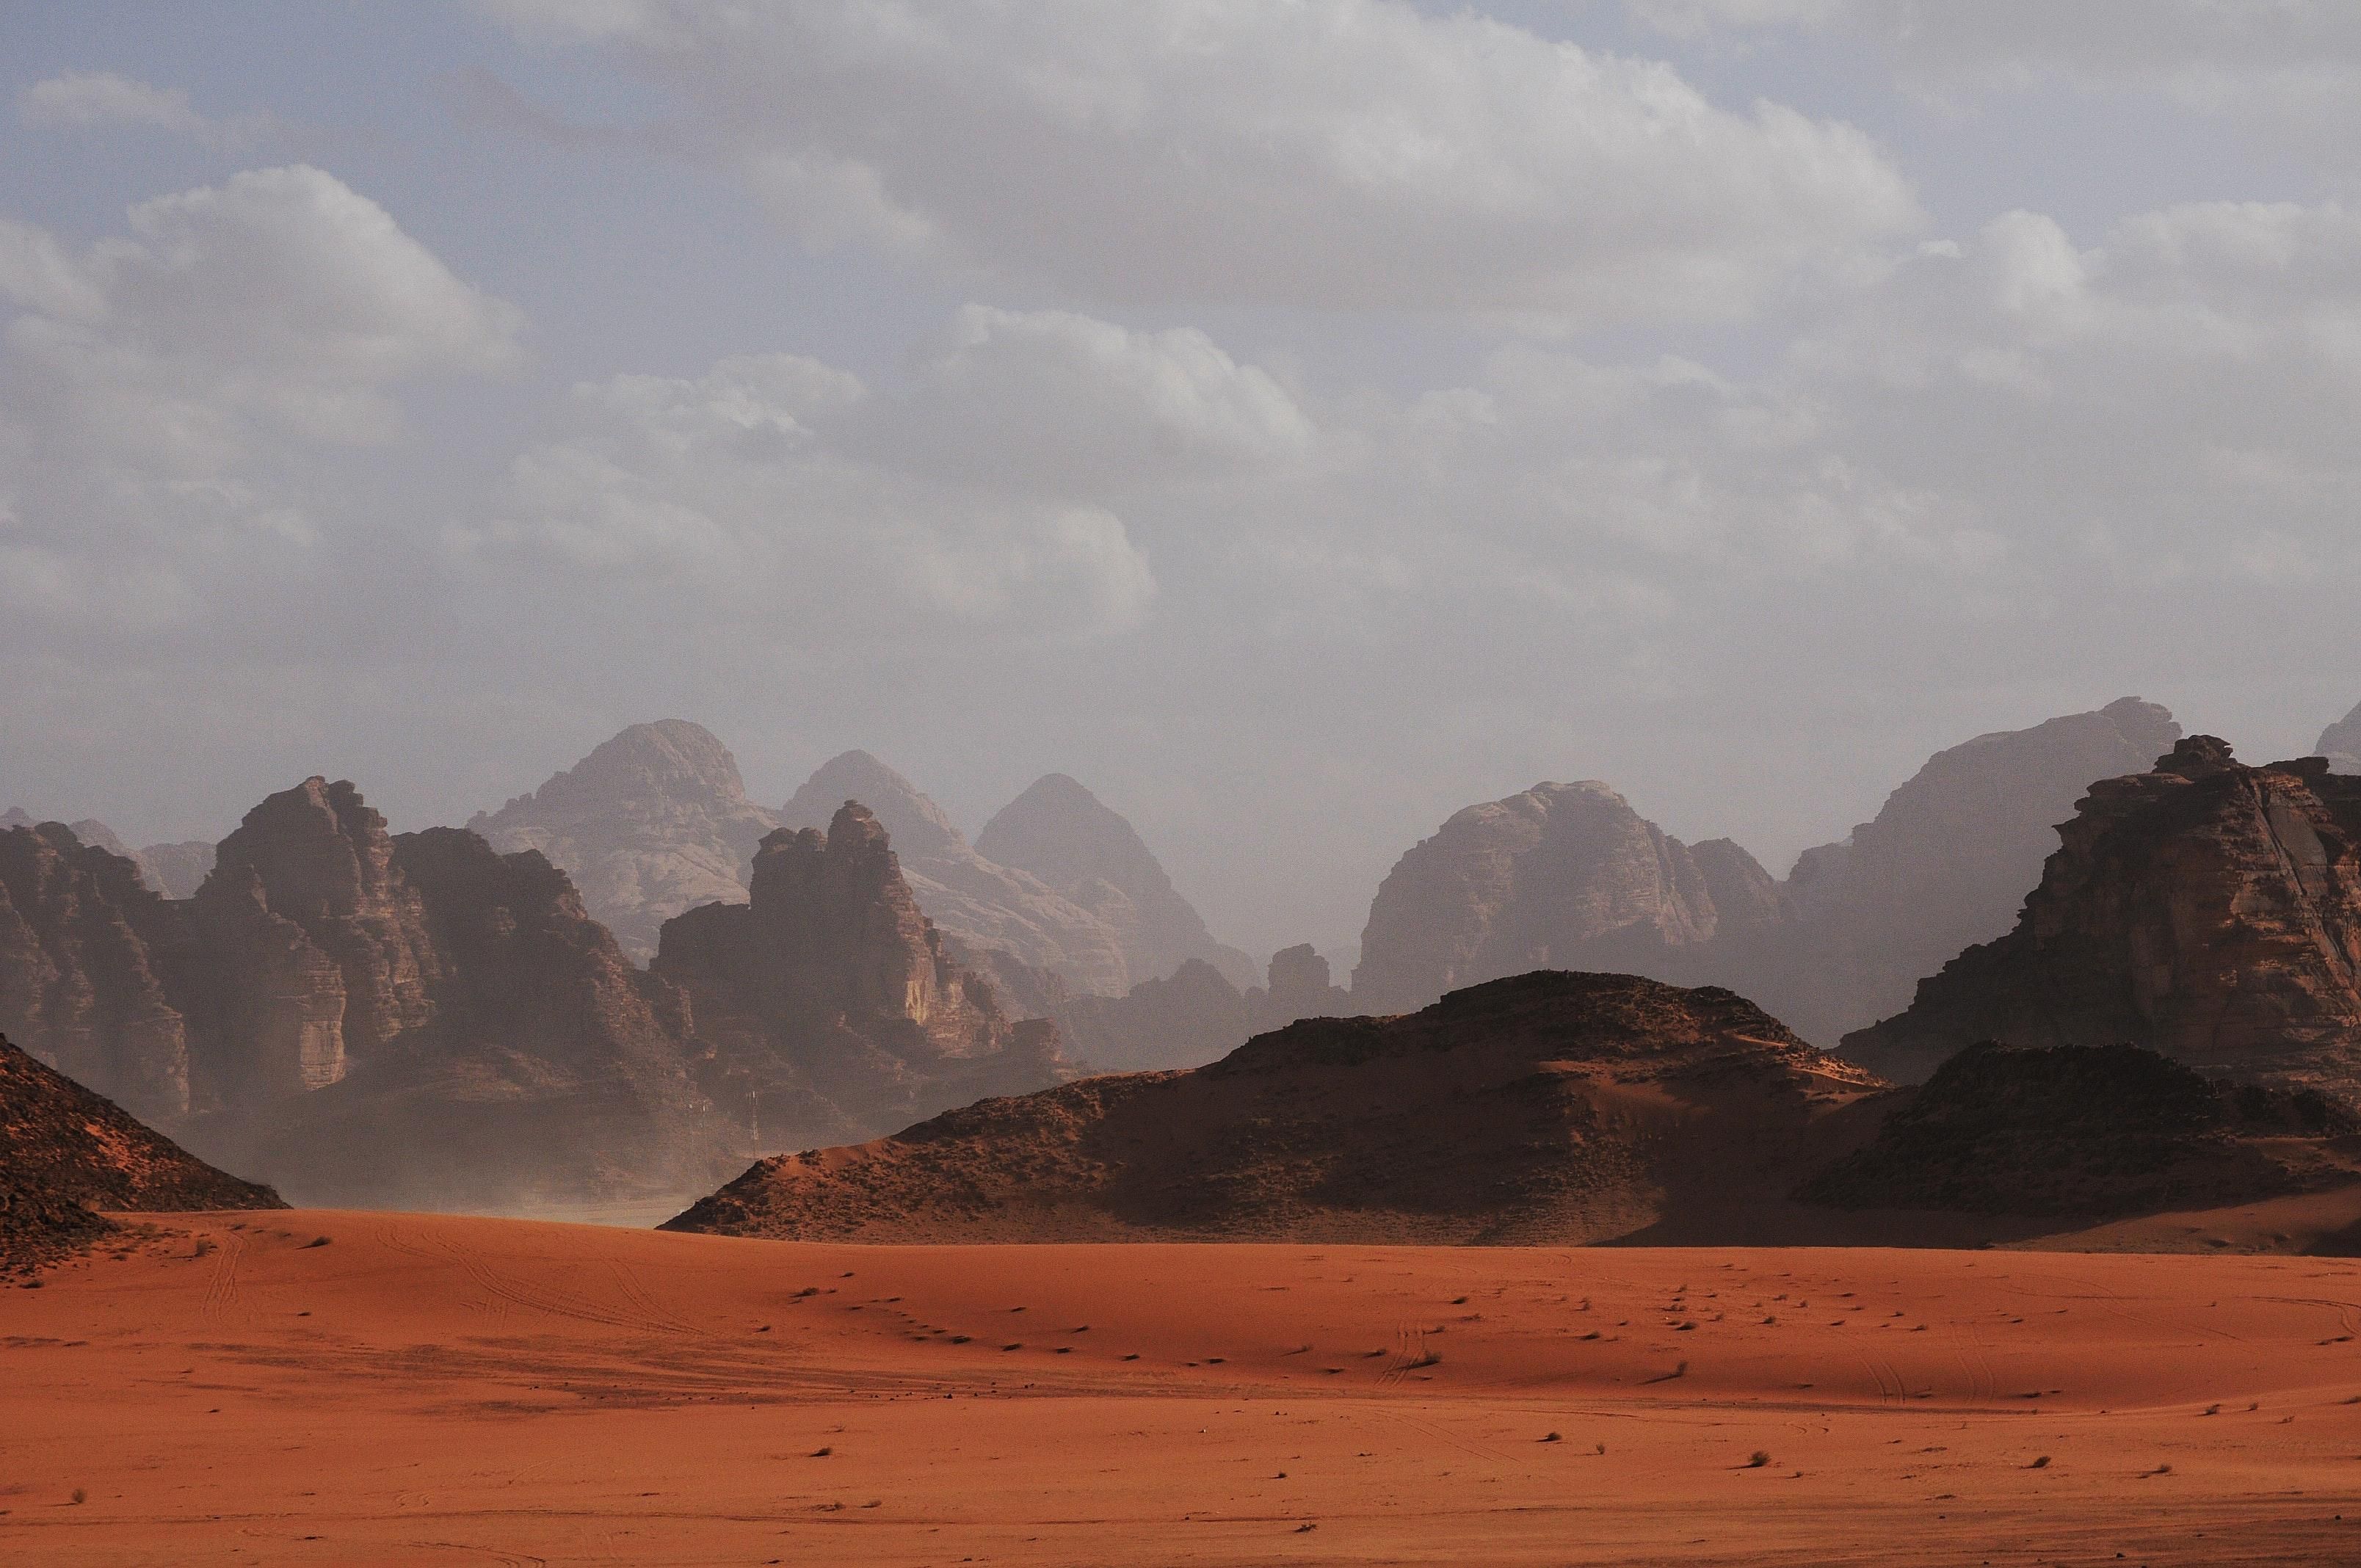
column 65, row 1151
column 1549, row 1107
column 2094, row 1132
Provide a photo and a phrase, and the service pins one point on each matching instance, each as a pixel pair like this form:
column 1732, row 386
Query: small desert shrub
column 1551, row 1437
column 1758, row 1459
column 2040, row 1463
column 81, row 1497
column 316, row 1241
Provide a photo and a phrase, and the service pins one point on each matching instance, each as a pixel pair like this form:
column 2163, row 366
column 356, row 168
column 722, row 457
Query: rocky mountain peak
column 920, row 829
column 2205, row 909
column 653, row 821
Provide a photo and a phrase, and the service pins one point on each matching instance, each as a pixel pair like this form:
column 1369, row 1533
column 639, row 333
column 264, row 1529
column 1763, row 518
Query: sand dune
column 466, row 1390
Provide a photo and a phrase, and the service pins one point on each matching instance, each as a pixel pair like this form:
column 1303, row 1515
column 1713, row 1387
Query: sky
column 1296, row 419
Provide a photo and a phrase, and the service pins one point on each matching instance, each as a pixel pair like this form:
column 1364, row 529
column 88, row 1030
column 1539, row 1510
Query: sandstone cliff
column 1571, row 874
column 1561, row 876
column 545, row 1071
column 84, row 955
column 2207, row 910
column 65, row 1151
column 1549, row 1108
column 315, row 952
column 651, row 823
column 975, row 901
column 1946, row 864
column 830, row 1005
column 2341, row 744
column 1060, row 832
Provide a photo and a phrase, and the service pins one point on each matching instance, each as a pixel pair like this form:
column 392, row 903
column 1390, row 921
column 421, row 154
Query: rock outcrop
column 1564, row 876
column 2206, row 910
column 1946, row 864
column 86, row 953
column 1548, row 1108
column 65, row 1151
column 1571, row 874
column 1061, row 833
column 653, row 822
column 2341, row 744
column 544, row 1069
column 2093, row 1132
column 980, row 903
column 315, row 951
column 831, row 1003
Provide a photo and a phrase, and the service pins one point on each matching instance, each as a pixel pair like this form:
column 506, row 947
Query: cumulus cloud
column 163, row 392
column 103, row 100
column 1352, row 154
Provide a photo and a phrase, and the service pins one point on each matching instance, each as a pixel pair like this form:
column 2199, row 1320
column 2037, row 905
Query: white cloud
column 731, row 503
column 164, row 393
column 98, row 100
column 1352, row 154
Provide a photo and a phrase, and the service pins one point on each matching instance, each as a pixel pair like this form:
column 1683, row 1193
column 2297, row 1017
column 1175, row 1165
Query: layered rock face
column 1947, row 863
column 830, row 1001
column 65, row 1151
column 2341, row 744
column 1557, row 1108
column 977, row 901
column 1571, row 874
column 315, row 951
column 2207, row 910
column 549, row 1071
column 1561, row 876
column 86, row 957
column 653, row 822
column 1061, row 833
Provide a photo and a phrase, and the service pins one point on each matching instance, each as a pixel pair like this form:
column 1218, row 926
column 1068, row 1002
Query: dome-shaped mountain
column 1081, row 847
column 651, row 823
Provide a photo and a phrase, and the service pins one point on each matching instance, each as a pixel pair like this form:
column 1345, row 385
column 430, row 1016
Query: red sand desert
column 428, row 1389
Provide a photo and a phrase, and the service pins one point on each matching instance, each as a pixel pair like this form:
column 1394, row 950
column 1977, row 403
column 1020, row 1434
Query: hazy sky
column 1297, row 419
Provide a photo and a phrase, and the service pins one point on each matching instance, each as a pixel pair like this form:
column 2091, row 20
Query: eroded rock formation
column 651, row 823
column 978, row 903
column 1947, row 863
column 830, row 1001
column 2207, row 910
column 1563, row 876
column 1060, row 832
column 85, row 981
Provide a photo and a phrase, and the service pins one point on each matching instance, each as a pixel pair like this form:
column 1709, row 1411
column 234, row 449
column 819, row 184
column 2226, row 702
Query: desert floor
column 426, row 1390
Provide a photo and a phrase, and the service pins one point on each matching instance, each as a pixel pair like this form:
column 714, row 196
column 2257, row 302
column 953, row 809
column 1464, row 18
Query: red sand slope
column 460, row 1390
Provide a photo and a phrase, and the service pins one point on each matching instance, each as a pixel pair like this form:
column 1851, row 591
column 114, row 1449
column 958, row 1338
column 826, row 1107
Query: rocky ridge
column 2207, row 910
column 2091, row 1131
column 65, row 1152
column 977, row 903
column 1549, row 1107
column 653, row 822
